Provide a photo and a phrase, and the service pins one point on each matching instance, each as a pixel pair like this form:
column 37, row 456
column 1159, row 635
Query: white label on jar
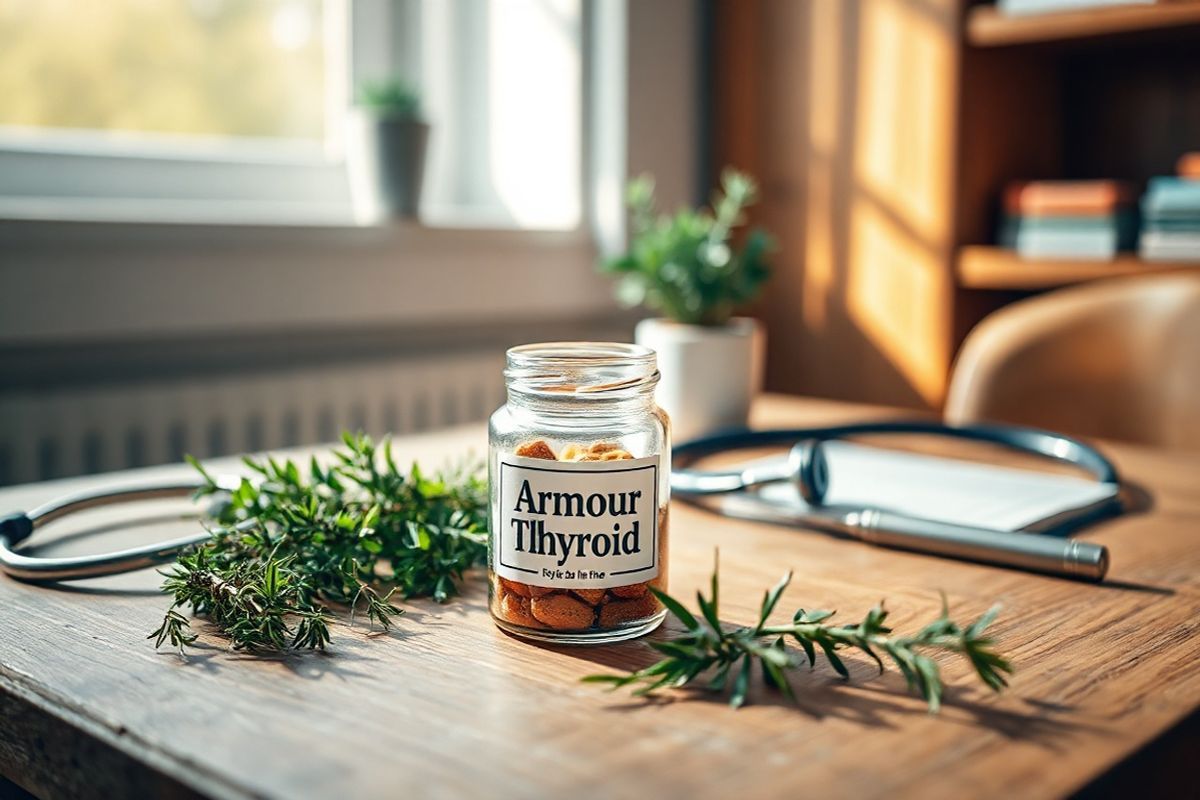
column 577, row 524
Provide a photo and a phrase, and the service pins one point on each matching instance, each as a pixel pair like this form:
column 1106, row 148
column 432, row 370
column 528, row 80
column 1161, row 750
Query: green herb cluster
column 285, row 546
column 708, row 649
column 686, row 266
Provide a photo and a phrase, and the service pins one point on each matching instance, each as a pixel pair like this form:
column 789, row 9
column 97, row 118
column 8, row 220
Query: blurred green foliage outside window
column 252, row 68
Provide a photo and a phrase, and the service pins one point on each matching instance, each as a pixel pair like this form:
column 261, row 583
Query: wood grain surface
column 451, row 707
column 987, row 267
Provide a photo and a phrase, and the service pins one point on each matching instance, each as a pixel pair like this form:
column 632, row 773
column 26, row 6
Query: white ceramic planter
column 385, row 161
column 710, row 375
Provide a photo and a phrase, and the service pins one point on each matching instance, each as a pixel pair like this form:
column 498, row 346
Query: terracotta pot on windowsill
column 710, row 373
column 385, row 159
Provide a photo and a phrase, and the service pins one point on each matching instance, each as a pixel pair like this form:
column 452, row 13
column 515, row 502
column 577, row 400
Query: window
column 225, row 110
column 628, row 102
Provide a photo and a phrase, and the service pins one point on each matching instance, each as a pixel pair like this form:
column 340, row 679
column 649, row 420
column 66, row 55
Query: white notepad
column 943, row 489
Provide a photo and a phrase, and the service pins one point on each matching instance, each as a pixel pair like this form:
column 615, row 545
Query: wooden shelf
column 988, row 27
column 983, row 267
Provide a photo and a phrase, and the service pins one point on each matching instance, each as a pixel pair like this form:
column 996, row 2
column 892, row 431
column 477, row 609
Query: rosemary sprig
column 285, row 546
column 708, row 649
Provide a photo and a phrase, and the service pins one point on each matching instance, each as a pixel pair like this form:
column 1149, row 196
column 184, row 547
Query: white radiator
column 67, row 432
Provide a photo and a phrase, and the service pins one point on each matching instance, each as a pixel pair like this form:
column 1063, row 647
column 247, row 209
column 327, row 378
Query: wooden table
column 451, row 707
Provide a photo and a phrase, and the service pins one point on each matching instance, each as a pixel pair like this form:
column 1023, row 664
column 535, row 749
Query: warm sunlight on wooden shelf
column 983, row 267
column 988, row 27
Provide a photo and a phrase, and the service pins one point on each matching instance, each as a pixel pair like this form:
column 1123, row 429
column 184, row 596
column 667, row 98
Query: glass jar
column 579, row 474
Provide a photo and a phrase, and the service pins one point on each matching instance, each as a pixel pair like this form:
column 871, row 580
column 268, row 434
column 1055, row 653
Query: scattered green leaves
column 686, row 266
column 285, row 545
column 707, row 647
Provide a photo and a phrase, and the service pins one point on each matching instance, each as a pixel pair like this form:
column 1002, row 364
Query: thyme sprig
column 285, row 546
column 262, row 606
column 707, row 648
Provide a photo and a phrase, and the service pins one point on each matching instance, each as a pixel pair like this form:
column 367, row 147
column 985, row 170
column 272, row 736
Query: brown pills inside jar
column 577, row 609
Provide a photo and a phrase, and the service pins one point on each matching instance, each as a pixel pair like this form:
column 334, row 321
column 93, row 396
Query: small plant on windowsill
column 689, row 268
column 386, row 138
column 395, row 99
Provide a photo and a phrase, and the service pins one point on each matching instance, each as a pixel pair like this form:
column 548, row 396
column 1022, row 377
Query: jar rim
column 596, row 369
column 580, row 354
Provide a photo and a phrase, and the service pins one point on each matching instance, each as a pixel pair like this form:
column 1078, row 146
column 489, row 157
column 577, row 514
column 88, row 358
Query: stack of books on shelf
column 1087, row 220
column 1171, row 214
column 1019, row 7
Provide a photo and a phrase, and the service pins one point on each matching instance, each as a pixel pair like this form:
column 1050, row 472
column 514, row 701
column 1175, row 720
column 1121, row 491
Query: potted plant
column 385, row 151
column 688, row 268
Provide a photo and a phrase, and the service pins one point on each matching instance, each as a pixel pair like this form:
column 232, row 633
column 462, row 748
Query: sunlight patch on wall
column 895, row 293
column 818, row 244
column 905, row 114
column 824, row 64
column 824, row 86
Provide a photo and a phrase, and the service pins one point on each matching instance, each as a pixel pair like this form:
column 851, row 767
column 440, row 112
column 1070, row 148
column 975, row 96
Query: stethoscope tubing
column 15, row 528
column 1052, row 445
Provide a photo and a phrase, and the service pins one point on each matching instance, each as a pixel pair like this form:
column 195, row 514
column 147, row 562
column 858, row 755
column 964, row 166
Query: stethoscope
column 806, row 467
column 808, row 470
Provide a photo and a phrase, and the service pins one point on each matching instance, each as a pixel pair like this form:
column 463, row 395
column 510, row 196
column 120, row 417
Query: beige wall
column 846, row 110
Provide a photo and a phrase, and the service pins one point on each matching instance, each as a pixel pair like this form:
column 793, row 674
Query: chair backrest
column 1117, row 359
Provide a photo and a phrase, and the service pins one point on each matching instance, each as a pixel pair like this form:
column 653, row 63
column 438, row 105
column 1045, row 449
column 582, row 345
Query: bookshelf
column 988, row 27
column 883, row 133
column 1096, row 93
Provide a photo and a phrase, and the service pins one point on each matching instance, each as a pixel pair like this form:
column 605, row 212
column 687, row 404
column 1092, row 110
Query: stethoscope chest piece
column 810, row 470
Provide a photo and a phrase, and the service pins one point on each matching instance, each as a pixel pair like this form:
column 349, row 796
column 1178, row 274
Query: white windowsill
column 243, row 213
column 86, row 281
column 128, row 211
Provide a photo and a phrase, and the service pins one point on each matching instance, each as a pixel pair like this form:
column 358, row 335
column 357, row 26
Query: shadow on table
column 310, row 665
column 1135, row 498
column 90, row 588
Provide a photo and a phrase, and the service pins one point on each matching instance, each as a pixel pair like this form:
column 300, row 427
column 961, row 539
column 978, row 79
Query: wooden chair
column 1116, row 359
